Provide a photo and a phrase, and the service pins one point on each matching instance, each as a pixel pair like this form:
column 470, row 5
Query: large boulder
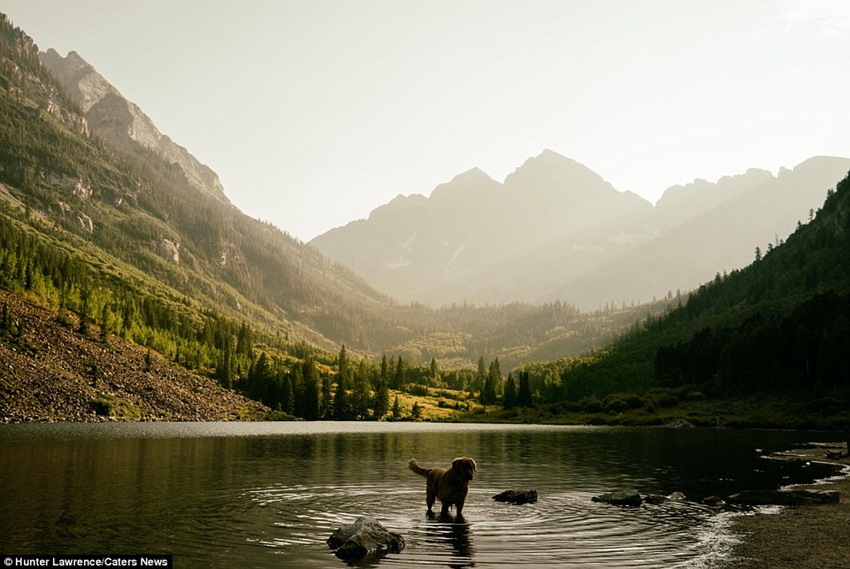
column 784, row 497
column 517, row 496
column 364, row 537
column 620, row 498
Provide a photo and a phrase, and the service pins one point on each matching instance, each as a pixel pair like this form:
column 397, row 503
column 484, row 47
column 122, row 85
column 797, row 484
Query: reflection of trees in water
column 454, row 533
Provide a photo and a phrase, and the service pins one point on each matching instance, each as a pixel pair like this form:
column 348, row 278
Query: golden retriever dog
column 449, row 485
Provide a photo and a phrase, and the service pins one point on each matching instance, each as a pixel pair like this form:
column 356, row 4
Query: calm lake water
column 269, row 494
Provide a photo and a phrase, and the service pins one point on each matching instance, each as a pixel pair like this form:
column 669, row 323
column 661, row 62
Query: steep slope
column 708, row 229
column 52, row 373
column 412, row 245
column 118, row 120
column 780, row 325
column 141, row 200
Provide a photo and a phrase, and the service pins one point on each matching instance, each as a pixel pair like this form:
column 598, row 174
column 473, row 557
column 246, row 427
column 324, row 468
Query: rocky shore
column 805, row 537
column 51, row 372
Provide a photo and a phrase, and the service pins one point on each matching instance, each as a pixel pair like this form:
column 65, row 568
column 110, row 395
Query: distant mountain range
column 554, row 229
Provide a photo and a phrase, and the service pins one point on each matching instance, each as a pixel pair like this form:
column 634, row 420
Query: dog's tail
column 414, row 466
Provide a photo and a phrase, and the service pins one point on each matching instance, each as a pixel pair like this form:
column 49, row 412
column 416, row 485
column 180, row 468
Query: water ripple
column 566, row 529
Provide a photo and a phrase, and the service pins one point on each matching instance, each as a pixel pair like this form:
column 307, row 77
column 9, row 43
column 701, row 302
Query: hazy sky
column 314, row 112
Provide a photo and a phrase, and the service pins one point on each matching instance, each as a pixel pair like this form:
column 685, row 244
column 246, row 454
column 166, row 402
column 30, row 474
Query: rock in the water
column 517, row 496
column 621, row 498
column 785, row 497
column 364, row 537
column 713, row 501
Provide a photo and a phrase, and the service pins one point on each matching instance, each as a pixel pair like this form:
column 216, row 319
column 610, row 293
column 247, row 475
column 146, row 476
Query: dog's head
column 465, row 467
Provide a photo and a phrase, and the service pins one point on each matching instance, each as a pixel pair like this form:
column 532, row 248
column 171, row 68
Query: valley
column 116, row 241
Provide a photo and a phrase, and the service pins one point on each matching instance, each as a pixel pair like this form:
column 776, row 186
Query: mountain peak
column 474, row 184
column 553, row 163
column 473, row 175
column 555, row 174
column 115, row 118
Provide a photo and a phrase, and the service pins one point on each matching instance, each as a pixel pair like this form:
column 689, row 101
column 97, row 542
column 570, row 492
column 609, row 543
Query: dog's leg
column 429, row 501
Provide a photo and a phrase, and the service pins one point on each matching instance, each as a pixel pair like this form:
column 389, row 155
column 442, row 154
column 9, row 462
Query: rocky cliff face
column 115, row 118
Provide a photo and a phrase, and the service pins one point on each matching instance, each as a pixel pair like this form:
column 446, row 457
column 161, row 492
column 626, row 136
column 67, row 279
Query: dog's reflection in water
column 452, row 531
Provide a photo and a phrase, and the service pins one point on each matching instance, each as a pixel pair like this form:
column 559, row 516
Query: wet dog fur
column 448, row 485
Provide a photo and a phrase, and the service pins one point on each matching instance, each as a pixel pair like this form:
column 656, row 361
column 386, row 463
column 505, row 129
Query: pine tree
column 494, row 378
column 343, row 368
column 360, row 395
column 340, row 401
column 399, row 375
column 297, row 380
column 480, row 377
column 326, row 407
column 288, row 400
column 524, row 395
column 510, row 400
column 381, row 403
column 224, row 371
column 384, row 370
column 311, row 391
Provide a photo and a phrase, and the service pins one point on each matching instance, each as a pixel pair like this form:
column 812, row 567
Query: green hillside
column 771, row 340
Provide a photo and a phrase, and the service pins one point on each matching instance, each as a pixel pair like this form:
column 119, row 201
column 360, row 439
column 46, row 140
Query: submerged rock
column 785, row 497
column 364, row 537
column 620, row 498
column 657, row 499
column 714, row 502
column 517, row 496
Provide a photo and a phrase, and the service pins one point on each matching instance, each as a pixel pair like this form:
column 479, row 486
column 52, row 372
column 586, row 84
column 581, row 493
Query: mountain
column 83, row 169
column 118, row 120
column 774, row 335
column 556, row 230
column 475, row 239
column 706, row 229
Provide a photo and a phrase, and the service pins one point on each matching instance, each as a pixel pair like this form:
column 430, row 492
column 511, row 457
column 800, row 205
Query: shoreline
column 798, row 537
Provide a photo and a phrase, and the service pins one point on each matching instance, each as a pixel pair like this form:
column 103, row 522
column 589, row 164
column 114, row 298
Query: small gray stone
column 517, row 496
column 364, row 537
column 620, row 498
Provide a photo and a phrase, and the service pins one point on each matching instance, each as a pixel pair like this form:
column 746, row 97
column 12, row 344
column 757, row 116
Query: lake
column 270, row 494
